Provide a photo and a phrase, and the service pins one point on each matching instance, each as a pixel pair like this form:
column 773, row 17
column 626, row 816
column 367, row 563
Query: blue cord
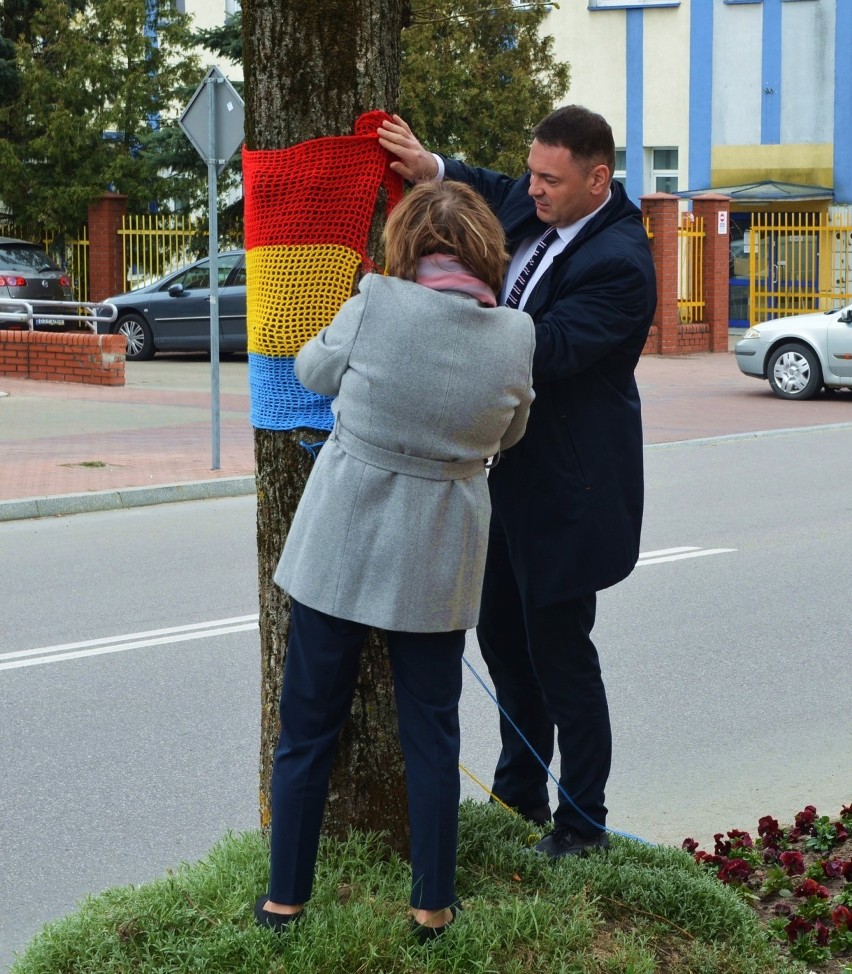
column 568, row 798
column 312, row 448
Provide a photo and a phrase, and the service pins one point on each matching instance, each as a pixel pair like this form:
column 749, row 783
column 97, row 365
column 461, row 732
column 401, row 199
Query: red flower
column 771, row 854
column 723, row 848
column 846, row 868
column 735, row 871
column 833, row 868
column 823, row 932
column 707, row 859
column 842, row 834
column 806, row 818
column 782, row 910
column 690, row 845
column 793, row 863
column 846, row 811
column 740, row 840
column 841, row 916
column 796, row 927
column 768, row 826
column 810, row 887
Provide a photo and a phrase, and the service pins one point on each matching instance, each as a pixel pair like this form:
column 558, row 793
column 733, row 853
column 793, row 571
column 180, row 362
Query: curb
column 127, row 497
column 755, row 435
column 112, row 500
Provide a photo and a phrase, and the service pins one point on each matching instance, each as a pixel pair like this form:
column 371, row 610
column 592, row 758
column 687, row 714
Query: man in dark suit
column 567, row 500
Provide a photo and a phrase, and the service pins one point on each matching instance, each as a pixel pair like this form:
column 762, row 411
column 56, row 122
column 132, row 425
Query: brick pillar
column 661, row 212
column 717, row 281
column 106, row 258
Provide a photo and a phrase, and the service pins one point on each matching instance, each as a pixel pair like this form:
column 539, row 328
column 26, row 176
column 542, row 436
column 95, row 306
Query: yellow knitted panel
column 293, row 292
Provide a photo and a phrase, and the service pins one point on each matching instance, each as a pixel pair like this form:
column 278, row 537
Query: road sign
column 213, row 123
column 216, row 131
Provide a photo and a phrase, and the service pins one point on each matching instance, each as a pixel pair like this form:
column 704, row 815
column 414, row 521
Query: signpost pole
column 213, row 252
column 216, row 131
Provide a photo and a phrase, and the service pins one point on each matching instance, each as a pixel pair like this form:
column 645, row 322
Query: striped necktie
column 514, row 296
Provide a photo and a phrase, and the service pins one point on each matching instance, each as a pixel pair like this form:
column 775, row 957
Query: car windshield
column 25, row 257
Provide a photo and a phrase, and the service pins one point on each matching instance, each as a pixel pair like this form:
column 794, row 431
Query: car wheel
column 794, row 372
column 140, row 341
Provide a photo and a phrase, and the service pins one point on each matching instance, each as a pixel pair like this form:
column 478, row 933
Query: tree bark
column 310, row 70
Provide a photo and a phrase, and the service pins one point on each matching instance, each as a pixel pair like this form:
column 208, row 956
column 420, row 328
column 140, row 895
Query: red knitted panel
column 318, row 192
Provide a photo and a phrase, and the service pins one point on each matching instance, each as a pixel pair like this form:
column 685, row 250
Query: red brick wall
column 63, row 357
column 717, row 279
column 660, row 210
column 106, row 258
column 667, row 335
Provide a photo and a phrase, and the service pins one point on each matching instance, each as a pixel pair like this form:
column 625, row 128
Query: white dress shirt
column 564, row 236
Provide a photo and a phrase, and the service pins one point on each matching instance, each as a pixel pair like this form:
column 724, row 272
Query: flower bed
column 798, row 879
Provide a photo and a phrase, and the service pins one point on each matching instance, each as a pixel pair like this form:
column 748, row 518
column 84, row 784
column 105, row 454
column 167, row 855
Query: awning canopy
column 767, row 191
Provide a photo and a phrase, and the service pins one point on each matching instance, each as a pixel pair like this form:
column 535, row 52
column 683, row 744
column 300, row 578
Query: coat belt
column 404, row 463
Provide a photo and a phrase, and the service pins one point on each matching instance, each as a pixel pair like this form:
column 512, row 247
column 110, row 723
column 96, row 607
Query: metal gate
column 799, row 262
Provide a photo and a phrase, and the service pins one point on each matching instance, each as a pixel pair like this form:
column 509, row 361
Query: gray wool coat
column 392, row 528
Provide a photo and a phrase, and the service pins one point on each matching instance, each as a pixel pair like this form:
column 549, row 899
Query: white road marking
column 677, row 554
column 120, row 644
column 221, row 627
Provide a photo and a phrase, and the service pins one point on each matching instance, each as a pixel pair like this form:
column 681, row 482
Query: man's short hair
column 587, row 135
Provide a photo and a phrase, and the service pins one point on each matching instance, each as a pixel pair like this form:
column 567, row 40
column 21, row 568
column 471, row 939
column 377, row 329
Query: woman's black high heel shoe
column 426, row 934
column 274, row 921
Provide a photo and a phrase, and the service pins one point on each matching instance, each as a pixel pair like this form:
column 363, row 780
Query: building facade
column 207, row 14
column 714, row 93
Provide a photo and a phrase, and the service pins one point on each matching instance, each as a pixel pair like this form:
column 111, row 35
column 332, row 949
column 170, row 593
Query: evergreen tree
column 477, row 77
column 93, row 81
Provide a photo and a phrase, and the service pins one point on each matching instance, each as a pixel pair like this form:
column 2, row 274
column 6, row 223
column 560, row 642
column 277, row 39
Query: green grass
column 636, row 910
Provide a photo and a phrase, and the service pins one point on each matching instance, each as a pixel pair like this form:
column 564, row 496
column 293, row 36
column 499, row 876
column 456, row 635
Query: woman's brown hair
column 445, row 218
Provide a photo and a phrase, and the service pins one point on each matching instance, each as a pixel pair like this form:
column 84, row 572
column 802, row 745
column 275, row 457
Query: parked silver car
column 173, row 314
column 800, row 354
column 28, row 274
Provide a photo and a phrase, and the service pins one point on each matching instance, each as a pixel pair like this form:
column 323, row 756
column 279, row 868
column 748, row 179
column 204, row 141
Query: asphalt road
column 724, row 656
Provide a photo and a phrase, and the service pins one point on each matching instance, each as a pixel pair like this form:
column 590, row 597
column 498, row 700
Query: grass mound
column 636, row 910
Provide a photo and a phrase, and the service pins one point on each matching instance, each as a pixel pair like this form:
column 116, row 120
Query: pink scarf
column 444, row 273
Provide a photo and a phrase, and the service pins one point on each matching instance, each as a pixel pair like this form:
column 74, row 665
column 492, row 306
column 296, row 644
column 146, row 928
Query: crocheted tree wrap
column 308, row 210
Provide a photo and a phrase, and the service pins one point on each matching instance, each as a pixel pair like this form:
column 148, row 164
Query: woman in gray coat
column 430, row 379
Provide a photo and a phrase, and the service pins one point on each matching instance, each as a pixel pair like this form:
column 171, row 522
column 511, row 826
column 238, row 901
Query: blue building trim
column 701, row 94
column 635, row 107
column 770, row 115
column 842, row 105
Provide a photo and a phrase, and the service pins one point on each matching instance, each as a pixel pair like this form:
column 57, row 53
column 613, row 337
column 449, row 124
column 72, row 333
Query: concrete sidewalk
column 67, row 448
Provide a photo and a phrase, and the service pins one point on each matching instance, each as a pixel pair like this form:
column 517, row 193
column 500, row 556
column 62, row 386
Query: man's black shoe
column 563, row 842
column 537, row 816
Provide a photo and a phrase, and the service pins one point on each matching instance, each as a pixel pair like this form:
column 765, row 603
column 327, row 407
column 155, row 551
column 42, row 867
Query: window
column 664, row 171
column 231, row 7
column 622, row 4
column 620, row 174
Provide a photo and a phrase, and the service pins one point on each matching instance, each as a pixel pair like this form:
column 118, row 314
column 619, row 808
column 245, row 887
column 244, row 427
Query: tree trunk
column 310, row 70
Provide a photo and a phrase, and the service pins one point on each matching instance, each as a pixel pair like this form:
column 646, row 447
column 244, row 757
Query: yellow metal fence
column 690, row 288
column 156, row 245
column 799, row 262
column 152, row 247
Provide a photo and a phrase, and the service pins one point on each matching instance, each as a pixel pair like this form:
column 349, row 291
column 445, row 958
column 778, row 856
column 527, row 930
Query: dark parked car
column 28, row 274
column 173, row 314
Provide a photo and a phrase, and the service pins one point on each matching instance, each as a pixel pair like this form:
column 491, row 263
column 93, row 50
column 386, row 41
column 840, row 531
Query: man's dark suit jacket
column 569, row 496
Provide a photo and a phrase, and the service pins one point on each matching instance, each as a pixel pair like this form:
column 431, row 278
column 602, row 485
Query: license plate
column 47, row 322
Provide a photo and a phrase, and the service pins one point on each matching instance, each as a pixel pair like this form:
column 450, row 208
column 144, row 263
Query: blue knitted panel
column 280, row 402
